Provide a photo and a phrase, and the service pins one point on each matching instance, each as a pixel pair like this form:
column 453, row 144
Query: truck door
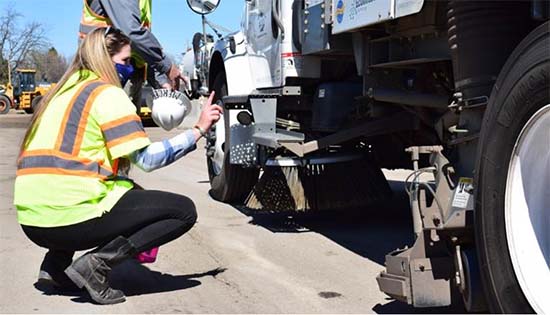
column 264, row 43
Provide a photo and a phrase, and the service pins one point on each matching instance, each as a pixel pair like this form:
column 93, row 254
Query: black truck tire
column 195, row 85
column 233, row 183
column 5, row 104
column 521, row 91
column 34, row 104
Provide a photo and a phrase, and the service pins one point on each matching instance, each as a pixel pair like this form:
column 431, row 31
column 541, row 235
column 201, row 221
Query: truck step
column 275, row 139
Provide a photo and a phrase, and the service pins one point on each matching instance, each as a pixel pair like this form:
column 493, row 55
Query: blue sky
column 173, row 22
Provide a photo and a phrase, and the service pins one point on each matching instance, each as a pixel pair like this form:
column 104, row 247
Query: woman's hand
column 210, row 114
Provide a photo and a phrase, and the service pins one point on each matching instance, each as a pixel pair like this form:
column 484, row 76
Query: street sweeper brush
column 318, row 184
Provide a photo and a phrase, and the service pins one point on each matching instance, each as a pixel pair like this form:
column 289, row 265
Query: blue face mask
column 124, row 72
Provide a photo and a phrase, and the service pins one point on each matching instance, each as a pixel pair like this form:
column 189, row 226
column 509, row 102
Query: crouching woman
column 67, row 194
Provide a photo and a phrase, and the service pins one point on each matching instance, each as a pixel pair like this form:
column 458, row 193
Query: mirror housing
column 203, row 7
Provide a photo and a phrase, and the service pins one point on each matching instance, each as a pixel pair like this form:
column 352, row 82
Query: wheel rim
column 219, row 154
column 527, row 210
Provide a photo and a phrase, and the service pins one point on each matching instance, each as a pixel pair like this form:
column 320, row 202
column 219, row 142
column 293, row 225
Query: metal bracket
column 328, row 12
column 265, row 114
column 451, row 203
column 460, row 104
column 243, row 149
column 420, row 275
column 398, row 122
column 426, row 270
column 292, row 90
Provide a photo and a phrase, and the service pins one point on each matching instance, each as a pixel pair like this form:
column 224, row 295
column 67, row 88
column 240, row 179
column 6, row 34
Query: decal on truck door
column 261, row 31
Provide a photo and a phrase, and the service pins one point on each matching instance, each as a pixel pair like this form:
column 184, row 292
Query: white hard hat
column 169, row 108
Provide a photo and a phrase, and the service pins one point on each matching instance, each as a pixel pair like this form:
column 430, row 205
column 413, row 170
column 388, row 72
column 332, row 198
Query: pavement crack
column 219, row 261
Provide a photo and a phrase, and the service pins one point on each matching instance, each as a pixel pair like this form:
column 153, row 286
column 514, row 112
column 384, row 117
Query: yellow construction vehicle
column 5, row 100
column 21, row 92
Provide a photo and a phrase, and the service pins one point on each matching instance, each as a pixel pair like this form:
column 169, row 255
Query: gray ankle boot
column 51, row 271
column 92, row 269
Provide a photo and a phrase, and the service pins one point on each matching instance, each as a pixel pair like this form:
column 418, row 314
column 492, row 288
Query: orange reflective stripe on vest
column 76, row 117
column 63, row 159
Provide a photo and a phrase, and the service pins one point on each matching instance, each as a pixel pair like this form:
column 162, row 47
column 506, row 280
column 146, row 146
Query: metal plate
column 243, row 151
column 353, row 14
column 315, row 31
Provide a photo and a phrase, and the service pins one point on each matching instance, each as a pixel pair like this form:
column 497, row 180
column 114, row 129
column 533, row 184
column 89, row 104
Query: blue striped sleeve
column 160, row 154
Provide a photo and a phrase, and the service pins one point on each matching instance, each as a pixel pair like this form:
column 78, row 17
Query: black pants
column 147, row 218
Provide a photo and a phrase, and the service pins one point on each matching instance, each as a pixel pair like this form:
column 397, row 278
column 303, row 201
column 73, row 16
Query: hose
column 277, row 18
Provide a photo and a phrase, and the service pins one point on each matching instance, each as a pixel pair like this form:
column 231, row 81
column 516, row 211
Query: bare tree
column 17, row 43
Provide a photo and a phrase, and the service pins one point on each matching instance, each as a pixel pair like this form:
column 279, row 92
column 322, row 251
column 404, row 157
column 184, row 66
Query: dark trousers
column 147, row 218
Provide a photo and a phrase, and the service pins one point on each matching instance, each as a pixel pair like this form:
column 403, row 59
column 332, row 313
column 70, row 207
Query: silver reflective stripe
column 86, row 29
column 123, row 130
column 50, row 161
column 71, row 129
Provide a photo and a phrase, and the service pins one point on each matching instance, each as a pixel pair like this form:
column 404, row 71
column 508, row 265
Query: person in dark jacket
column 133, row 18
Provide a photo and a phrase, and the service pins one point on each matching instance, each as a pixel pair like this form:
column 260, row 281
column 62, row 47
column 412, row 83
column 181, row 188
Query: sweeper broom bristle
column 349, row 184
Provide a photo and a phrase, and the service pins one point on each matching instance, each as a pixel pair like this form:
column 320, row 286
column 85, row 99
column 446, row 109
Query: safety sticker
column 462, row 193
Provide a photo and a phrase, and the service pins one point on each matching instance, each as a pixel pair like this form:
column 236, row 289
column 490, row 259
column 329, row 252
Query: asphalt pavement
column 233, row 260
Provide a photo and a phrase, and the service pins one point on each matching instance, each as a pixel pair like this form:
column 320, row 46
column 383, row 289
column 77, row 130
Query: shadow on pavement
column 134, row 278
column 51, row 291
column 371, row 232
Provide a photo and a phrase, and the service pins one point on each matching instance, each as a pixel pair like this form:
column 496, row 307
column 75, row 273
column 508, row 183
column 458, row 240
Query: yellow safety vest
column 66, row 175
column 91, row 20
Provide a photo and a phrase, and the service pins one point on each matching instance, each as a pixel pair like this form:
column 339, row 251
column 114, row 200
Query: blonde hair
column 94, row 54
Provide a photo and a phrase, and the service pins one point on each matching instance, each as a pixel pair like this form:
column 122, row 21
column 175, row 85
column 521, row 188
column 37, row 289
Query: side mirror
column 203, row 7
